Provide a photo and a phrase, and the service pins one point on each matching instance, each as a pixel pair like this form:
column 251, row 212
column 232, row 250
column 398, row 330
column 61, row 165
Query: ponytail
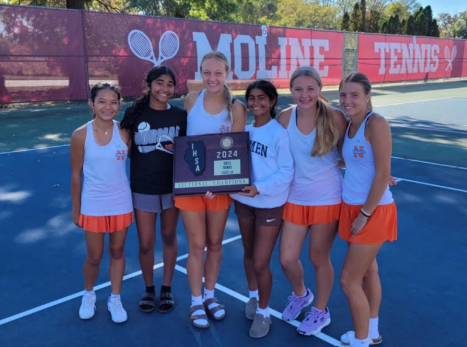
column 228, row 102
column 132, row 113
column 327, row 134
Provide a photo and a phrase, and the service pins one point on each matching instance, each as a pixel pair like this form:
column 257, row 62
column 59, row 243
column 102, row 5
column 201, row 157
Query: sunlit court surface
column 422, row 273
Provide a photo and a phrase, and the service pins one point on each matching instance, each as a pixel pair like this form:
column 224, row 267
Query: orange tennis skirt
column 103, row 224
column 200, row 203
column 381, row 226
column 309, row 215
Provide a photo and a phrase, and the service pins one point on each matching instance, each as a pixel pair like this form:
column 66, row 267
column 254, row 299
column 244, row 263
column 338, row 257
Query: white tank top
column 106, row 189
column 318, row 180
column 360, row 168
column 200, row 122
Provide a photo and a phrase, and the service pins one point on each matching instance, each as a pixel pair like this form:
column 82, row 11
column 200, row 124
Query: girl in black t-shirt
column 153, row 124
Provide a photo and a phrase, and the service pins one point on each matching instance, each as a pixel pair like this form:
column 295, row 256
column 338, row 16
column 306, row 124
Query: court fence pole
column 85, row 56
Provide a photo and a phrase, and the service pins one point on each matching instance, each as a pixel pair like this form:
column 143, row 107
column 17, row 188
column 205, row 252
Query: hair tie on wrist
column 367, row 215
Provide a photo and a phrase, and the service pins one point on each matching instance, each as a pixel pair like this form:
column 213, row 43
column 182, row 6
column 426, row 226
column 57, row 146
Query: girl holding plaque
column 259, row 208
column 210, row 111
column 153, row 124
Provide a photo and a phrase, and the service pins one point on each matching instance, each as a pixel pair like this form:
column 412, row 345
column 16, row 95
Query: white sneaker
column 116, row 310
column 88, row 306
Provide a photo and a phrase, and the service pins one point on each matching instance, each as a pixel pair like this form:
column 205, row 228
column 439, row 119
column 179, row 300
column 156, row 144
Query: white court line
column 100, row 286
column 238, row 296
column 398, row 179
column 413, row 102
column 429, row 163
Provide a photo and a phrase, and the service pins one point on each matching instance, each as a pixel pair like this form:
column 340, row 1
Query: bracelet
column 367, row 215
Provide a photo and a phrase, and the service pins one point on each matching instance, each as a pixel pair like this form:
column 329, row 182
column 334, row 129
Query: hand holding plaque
column 219, row 163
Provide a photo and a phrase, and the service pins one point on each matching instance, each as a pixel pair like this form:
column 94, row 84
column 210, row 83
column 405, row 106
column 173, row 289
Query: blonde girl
column 213, row 110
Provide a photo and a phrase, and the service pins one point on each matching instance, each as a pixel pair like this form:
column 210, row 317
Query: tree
column 304, row 14
column 373, row 21
column 460, row 26
column 446, row 23
column 345, row 24
column 363, row 16
column 398, row 8
column 411, row 5
column 410, row 28
column 355, row 18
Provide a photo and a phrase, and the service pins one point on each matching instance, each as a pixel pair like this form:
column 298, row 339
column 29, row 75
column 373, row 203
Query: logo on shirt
column 195, row 157
column 224, row 129
column 120, row 154
column 259, row 148
column 359, row 151
column 149, row 140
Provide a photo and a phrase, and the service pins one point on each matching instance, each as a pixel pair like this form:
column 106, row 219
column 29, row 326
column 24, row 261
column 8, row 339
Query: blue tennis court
column 421, row 273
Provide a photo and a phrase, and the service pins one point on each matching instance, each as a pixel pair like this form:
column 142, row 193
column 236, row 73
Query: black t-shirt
column 151, row 160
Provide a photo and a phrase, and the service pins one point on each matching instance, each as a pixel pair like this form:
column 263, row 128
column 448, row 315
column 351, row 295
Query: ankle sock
column 263, row 311
column 114, row 296
column 374, row 332
column 89, row 292
column 208, row 294
column 150, row 289
column 196, row 300
column 254, row 294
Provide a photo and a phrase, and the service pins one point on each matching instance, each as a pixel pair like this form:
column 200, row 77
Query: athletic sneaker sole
column 316, row 332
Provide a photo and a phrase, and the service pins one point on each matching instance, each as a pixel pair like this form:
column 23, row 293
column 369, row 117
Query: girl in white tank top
column 102, row 201
column 209, row 112
column 368, row 217
column 315, row 131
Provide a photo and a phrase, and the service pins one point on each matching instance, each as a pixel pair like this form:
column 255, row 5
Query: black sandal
column 148, row 302
column 166, row 302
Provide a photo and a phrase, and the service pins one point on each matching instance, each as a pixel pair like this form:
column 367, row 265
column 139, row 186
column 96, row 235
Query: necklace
column 105, row 131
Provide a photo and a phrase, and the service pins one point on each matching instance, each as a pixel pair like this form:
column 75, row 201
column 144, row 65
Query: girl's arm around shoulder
column 238, row 116
column 190, row 100
column 341, row 124
column 284, row 117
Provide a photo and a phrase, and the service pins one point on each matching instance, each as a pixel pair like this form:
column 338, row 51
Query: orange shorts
column 381, row 226
column 309, row 215
column 102, row 224
column 200, row 203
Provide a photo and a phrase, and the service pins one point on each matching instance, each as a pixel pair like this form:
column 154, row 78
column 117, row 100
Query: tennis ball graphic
column 143, row 126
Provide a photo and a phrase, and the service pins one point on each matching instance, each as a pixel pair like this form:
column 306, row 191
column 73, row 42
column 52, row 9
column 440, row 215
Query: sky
column 449, row 6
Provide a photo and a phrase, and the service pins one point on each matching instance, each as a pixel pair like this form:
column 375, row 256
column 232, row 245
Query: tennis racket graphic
column 450, row 58
column 141, row 46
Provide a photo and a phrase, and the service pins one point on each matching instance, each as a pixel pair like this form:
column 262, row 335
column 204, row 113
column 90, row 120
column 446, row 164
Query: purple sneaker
column 296, row 304
column 314, row 321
